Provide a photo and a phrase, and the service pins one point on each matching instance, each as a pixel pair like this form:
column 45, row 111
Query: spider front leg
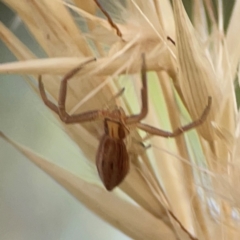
column 63, row 93
column 48, row 103
column 178, row 131
column 60, row 109
column 144, row 96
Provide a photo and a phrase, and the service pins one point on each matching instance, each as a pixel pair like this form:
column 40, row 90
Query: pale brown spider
column 112, row 157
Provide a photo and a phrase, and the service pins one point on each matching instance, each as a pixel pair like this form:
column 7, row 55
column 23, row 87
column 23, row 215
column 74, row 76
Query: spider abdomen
column 112, row 161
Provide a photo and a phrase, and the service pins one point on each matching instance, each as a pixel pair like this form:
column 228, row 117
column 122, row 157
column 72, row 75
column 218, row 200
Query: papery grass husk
column 88, row 193
column 181, row 174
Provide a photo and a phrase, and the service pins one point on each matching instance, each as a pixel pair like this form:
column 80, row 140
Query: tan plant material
column 181, row 188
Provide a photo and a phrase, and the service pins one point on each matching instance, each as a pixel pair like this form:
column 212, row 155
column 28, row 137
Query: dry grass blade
column 173, row 185
column 197, row 79
column 63, row 64
column 13, row 43
column 54, row 66
column 108, row 205
column 52, row 26
column 232, row 39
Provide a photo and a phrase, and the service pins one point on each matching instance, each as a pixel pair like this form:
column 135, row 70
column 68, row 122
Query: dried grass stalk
column 181, row 176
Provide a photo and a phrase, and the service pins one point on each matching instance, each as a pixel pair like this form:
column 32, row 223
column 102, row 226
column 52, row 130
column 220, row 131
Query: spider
column 112, row 158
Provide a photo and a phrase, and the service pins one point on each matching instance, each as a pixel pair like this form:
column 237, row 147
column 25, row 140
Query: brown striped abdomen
column 112, row 161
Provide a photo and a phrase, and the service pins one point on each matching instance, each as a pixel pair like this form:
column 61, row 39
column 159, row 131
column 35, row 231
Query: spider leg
column 110, row 21
column 63, row 91
column 144, row 96
column 61, row 109
column 48, row 103
column 178, row 131
column 82, row 117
